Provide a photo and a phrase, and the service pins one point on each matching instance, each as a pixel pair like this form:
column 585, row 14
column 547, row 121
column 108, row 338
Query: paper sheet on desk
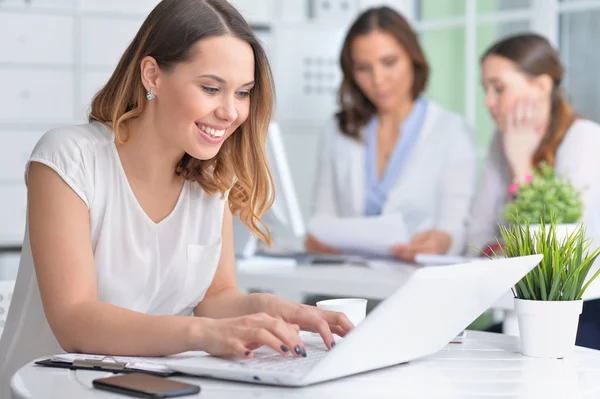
column 158, row 364
column 361, row 236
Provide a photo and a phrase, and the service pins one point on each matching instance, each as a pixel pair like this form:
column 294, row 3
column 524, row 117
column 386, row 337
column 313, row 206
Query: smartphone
column 142, row 385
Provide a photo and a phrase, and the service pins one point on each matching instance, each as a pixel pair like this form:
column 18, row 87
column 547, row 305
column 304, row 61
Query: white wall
column 54, row 55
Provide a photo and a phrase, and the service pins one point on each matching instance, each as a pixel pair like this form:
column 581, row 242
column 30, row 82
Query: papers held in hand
column 370, row 236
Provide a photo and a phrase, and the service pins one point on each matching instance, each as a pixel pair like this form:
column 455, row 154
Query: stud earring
column 150, row 96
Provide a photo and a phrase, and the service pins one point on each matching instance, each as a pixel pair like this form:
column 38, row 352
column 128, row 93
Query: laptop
column 430, row 307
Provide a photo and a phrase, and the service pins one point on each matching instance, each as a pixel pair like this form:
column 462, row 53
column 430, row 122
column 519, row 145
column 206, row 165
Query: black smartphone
column 142, row 385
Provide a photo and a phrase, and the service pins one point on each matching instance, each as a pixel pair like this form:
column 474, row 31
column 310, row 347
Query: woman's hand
column 311, row 244
column 277, row 327
column 309, row 318
column 427, row 242
column 241, row 335
column 524, row 130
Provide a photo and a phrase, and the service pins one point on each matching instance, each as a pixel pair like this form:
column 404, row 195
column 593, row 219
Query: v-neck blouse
column 160, row 268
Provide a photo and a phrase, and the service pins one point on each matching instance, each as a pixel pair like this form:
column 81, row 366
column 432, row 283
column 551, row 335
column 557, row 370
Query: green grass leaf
column 562, row 274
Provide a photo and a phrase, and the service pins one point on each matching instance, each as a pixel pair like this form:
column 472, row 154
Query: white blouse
column 577, row 160
column 434, row 190
column 160, row 268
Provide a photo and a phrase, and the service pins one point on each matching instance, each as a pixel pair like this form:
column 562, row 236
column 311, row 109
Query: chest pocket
column 202, row 262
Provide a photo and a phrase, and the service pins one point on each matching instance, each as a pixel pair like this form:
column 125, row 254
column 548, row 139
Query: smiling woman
column 190, row 78
column 129, row 243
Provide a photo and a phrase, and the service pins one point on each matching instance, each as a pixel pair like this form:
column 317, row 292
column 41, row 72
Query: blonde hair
column 167, row 35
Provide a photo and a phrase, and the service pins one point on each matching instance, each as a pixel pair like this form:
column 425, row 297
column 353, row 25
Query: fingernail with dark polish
column 285, row 348
column 299, row 350
column 247, row 353
column 332, row 344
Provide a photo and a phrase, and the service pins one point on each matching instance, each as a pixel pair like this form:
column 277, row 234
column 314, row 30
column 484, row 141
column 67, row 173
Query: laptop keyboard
column 291, row 364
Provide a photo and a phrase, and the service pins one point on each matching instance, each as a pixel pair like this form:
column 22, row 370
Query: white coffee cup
column 355, row 309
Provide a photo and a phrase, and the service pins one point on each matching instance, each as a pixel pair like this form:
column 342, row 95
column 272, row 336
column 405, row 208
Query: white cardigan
column 577, row 160
column 434, row 190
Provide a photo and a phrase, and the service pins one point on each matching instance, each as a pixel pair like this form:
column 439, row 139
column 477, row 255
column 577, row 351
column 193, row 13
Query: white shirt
column 160, row 268
column 577, row 160
column 434, row 190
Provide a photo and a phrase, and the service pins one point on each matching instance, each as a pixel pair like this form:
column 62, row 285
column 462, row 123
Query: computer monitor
column 284, row 219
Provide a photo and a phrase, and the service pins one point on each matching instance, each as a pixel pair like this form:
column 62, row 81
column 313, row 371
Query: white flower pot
column 548, row 328
column 562, row 230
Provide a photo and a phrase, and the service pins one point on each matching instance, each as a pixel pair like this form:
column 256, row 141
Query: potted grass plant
column 548, row 300
column 547, row 194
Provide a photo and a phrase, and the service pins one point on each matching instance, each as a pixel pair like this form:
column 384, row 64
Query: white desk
column 485, row 365
column 377, row 282
column 335, row 280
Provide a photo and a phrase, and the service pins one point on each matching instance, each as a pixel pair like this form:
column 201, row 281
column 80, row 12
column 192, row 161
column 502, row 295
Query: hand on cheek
column 523, row 132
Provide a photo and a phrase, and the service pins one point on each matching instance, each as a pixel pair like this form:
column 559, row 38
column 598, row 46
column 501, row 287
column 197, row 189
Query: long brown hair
column 535, row 56
column 167, row 35
column 356, row 108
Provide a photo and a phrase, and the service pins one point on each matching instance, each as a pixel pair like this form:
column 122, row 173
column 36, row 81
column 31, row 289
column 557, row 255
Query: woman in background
column 390, row 151
column 522, row 78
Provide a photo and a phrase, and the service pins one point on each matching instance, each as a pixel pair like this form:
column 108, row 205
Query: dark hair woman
column 390, row 152
column 522, row 78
